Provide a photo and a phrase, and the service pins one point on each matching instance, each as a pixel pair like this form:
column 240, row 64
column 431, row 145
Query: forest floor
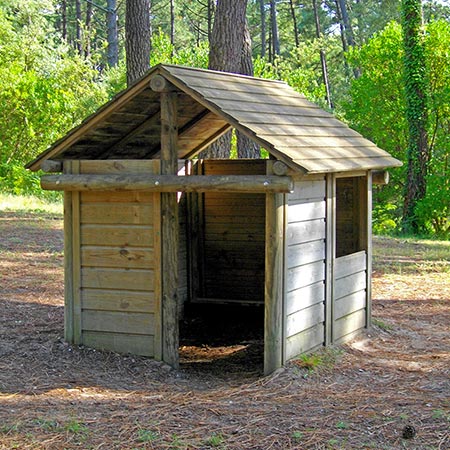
column 390, row 389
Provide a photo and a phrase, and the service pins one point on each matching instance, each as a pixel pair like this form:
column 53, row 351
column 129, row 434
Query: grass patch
column 22, row 203
column 410, row 255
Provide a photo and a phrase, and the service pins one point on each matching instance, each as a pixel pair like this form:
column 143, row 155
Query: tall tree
column 230, row 51
column 294, row 22
column 112, row 33
column 416, row 111
column 262, row 10
column 274, row 29
column 323, row 58
column 137, row 38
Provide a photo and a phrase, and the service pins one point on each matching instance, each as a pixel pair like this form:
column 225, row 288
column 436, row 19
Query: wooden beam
column 380, row 177
column 169, row 224
column 168, row 183
column 52, row 166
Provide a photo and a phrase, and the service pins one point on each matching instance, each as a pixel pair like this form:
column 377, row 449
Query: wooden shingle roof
column 270, row 112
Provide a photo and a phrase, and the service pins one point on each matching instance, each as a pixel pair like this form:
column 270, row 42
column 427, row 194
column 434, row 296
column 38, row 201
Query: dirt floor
column 390, row 389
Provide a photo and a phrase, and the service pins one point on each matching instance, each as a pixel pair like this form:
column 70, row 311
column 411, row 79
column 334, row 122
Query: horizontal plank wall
column 119, row 249
column 234, row 235
column 305, row 263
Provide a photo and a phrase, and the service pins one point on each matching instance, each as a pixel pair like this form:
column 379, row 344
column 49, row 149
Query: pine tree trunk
column 416, row 112
column 78, row 20
column 262, row 9
column 88, row 26
column 226, row 54
column 112, row 36
column 294, row 22
column 274, row 27
column 323, row 59
column 137, row 38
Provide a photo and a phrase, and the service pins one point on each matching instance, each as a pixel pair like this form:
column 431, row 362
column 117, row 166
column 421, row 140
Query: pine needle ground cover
column 387, row 390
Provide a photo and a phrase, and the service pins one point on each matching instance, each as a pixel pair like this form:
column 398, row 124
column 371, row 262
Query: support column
column 169, row 222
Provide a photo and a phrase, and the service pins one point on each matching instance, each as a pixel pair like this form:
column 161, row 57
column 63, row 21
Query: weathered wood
column 305, row 253
column 347, row 285
column 117, row 197
column 160, row 84
column 122, row 279
column 280, row 168
column 348, row 325
column 274, row 286
column 304, row 319
column 118, row 322
column 112, row 300
column 121, row 342
column 350, row 264
column 349, row 304
column 305, row 297
column 380, row 177
column 68, row 265
column 307, row 190
column 167, row 183
column 298, row 277
column 369, row 250
column 330, row 257
column 119, row 166
column 305, row 341
column 117, row 235
column 122, row 257
column 299, row 212
column 50, row 165
column 169, row 230
column 311, row 230
column 117, row 213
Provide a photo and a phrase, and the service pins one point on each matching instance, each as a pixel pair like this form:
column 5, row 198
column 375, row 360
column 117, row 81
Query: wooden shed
column 148, row 226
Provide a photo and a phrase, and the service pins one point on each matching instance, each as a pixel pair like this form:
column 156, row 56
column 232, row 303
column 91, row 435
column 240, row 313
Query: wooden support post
column 369, row 251
column 330, row 243
column 274, row 284
column 169, row 227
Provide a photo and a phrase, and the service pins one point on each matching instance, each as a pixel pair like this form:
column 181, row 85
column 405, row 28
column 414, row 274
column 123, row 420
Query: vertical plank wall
column 305, row 267
column 116, row 250
column 234, row 237
column 351, row 271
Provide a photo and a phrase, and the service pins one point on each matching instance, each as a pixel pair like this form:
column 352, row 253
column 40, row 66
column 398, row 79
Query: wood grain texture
column 121, row 343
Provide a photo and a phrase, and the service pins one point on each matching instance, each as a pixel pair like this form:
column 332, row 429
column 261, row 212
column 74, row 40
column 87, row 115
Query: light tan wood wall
column 116, row 263
column 232, row 265
column 305, row 267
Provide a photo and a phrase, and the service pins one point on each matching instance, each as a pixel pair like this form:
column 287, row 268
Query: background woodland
column 382, row 66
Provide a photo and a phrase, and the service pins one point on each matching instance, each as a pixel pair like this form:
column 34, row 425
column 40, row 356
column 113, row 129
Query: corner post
column 169, row 221
column 274, row 295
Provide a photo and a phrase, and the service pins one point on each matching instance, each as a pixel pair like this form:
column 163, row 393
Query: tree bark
column 230, row 51
column 137, row 39
column 274, row 28
column 416, row 112
column 262, row 8
column 294, row 22
column 323, row 59
column 88, row 26
column 78, row 20
column 112, row 36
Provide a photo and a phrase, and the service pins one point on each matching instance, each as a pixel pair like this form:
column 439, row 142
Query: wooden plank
column 232, row 220
column 118, row 322
column 349, row 324
column 274, row 286
column 305, row 341
column 305, row 297
column 349, row 304
column 125, row 301
column 122, row 279
column 305, row 275
column 347, row 285
column 305, row 253
column 119, row 235
column 339, row 129
column 121, row 343
column 349, row 264
column 300, row 232
column 123, row 257
column 169, row 231
column 341, row 165
column 116, row 196
column 304, row 319
column 119, row 166
column 299, row 212
column 157, row 277
column 308, row 190
column 117, row 213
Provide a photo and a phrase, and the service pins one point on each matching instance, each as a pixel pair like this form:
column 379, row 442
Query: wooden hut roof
column 270, row 112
